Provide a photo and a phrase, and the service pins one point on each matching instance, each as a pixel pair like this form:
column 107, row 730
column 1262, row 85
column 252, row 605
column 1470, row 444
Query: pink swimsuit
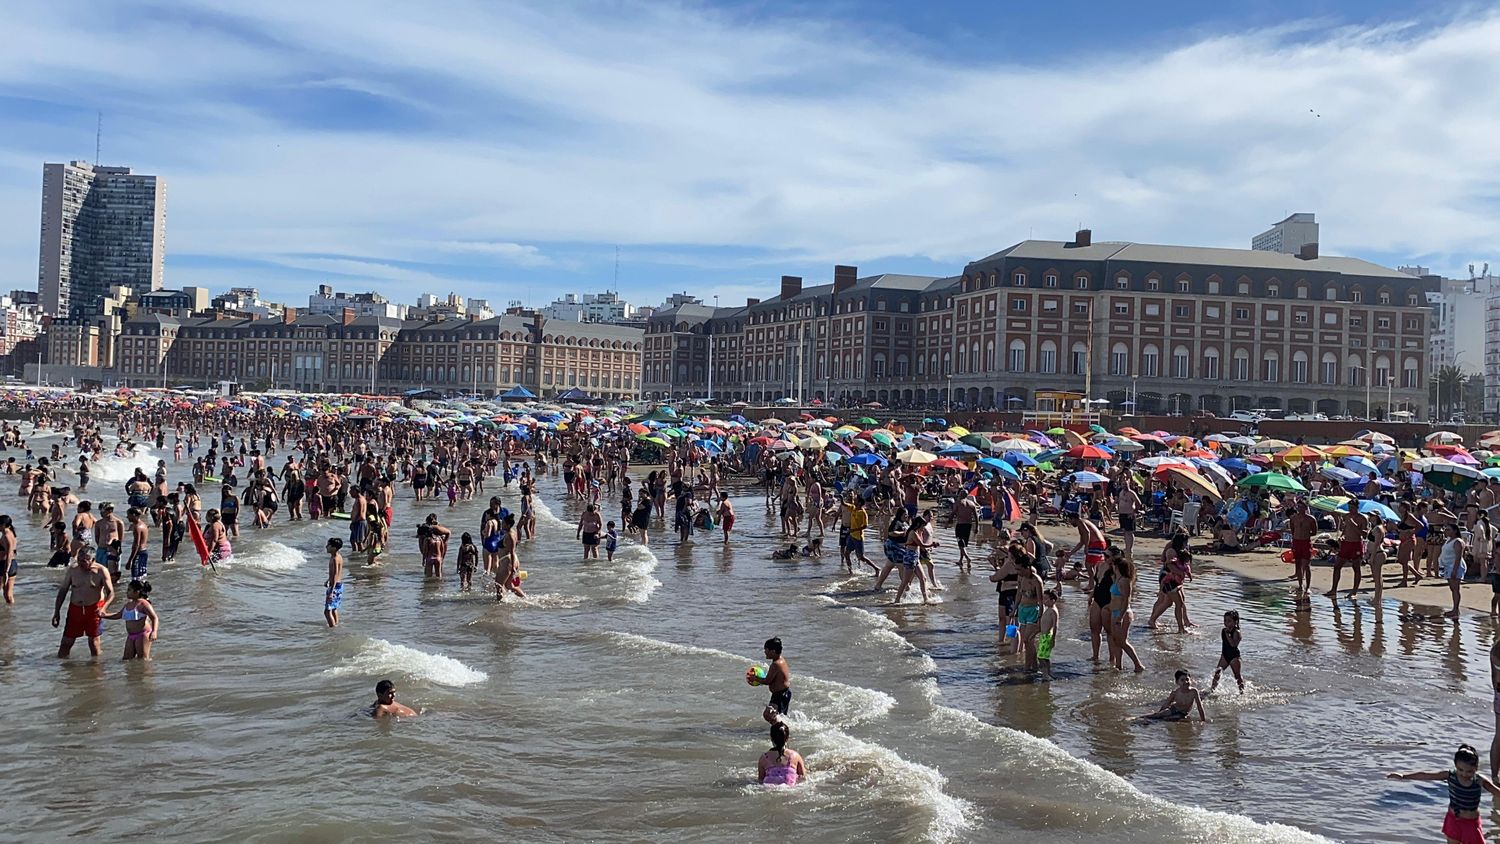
column 780, row 775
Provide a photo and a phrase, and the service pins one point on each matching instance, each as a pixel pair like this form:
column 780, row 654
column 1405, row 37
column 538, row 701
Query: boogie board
column 208, row 480
column 337, row 515
column 196, row 534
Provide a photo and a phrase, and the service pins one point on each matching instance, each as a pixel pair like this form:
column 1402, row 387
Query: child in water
column 611, row 541
column 1047, row 632
column 1229, row 653
column 781, row 765
column 468, row 558
column 1465, row 788
column 141, row 621
column 1179, row 704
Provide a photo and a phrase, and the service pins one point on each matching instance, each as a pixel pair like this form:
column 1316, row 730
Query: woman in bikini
column 1121, row 615
column 141, row 622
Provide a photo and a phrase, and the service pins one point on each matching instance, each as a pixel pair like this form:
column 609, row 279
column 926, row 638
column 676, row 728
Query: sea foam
column 377, row 656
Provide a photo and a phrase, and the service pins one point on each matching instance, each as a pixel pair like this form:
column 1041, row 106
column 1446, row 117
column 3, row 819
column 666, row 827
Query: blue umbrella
column 1368, row 506
column 1362, row 465
column 1357, row 486
column 959, row 450
column 1019, row 458
column 1235, row 464
column 867, row 458
column 1000, row 466
column 710, row 445
column 1339, row 473
column 1049, row 455
column 1493, row 471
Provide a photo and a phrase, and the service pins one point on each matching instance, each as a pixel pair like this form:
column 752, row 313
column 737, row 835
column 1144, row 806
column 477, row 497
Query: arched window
column 1016, row 360
column 877, row 365
column 974, row 360
column 963, row 356
column 1270, row 370
column 1119, row 360
column 1079, row 359
column 921, row 364
column 1047, row 358
column 1356, row 370
column 989, row 355
column 1409, row 370
column 1150, row 362
column 1328, row 368
column 1382, row 372
column 1240, row 369
column 1181, row 363
column 1299, row 367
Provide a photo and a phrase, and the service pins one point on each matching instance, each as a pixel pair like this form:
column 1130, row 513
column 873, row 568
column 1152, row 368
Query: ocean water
column 610, row 705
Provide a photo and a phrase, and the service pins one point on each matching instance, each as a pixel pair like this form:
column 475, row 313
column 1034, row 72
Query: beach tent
column 574, row 394
column 517, row 393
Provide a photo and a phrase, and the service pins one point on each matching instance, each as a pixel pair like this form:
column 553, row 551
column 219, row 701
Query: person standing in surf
column 333, row 596
column 779, row 679
column 8, row 566
column 1465, row 788
column 139, row 537
column 508, row 570
column 589, row 528
column 87, row 590
column 489, row 535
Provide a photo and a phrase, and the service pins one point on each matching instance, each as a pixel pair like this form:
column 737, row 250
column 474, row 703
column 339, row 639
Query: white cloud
column 675, row 130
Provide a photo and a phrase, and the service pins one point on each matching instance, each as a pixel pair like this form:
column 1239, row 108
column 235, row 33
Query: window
column 1411, row 325
column 1049, row 305
column 1356, row 371
column 1119, row 360
column 1213, row 287
column 1299, row 318
column 1016, row 360
column 1273, row 291
column 1153, row 309
column 1047, row 358
column 1409, row 373
column 1241, row 367
column 1081, row 282
column 1211, row 311
column 1153, row 284
column 1122, row 308
column 1080, row 359
column 1018, row 305
column 1180, row 365
column 1242, row 288
column 1183, row 285
column 1273, row 316
column 1050, row 280
column 877, row 365
column 1299, row 367
column 1329, row 369
column 1271, row 368
column 1357, row 296
column 1382, row 372
column 1019, row 279
column 1382, row 322
column 1241, row 313
column 1356, row 321
column 1302, row 291
column 1384, row 297
column 1150, row 362
column 1122, row 282
column 991, row 306
column 1211, row 364
column 1080, row 307
column 1182, row 311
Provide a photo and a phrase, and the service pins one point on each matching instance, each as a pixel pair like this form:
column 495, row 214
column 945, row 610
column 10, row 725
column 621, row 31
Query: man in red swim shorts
column 1352, row 527
column 88, row 591
column 1303, row 526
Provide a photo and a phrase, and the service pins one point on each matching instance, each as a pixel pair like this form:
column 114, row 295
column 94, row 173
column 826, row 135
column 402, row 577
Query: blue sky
column 505, row 150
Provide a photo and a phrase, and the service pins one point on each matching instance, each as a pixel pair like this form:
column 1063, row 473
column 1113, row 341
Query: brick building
column 1158, row 328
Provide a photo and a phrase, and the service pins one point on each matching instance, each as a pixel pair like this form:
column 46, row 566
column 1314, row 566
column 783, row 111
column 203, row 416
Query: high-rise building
column 1288, row 236
column 102, row 227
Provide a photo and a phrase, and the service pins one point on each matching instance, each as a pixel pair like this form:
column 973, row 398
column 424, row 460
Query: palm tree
column 1445, row 389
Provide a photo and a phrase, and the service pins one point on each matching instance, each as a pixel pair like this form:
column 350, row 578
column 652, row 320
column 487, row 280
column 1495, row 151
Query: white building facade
column 1289, row 235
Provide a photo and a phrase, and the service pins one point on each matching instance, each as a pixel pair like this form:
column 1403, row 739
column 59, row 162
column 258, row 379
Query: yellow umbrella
column 916, row 456
column 1298, row 453
column 958, row 431
column 1343, row 450
column 1192, row 482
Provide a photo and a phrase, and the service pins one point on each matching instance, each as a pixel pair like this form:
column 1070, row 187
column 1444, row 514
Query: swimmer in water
column 141, row 622
column 386, row 705
column 1179, row 704
column 779, row 678
column 1229, row 653
column 781, row 765
column 1465, row 788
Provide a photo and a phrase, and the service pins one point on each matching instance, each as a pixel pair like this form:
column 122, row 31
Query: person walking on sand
column 1302, row 526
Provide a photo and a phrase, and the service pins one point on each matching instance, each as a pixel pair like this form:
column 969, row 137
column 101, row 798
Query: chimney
column 348, row 316
column 288, row 316
column 844, row 277
column 791, row 285
column 749, row 303
column 1308, row 252
column 1082, row 237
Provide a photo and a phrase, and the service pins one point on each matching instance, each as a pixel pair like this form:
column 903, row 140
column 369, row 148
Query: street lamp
column 950, row 395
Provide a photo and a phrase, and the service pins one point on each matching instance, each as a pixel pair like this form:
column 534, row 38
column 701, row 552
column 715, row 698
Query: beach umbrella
column 1330, row 503
column 916, row 457
column 1264, row 446
column 958, row 431
column 947, row 463
column 1214, row 471
column 1363, row 465
column 653, row 440
column 1017, row 444
column 883, row 437
column 1148, row 438
column 1272, row 480
column 819, row 424
column 1154, row 463
column 865, row 420
column 1338, row 473
column 812, row 443
column 1345, row 450
column 959, row 450
column 1071, row 438
column 1242, row 442
column 1019, row 458
column 1357, row 487
column 1376, row 508
column 1464, row 459
column 1089, row 452
column 1127, row 446
column 1085, row 478
column 1097, row 428
column 1375, row 437
column 709, row 445
column 979, row 441
column 1451, row 476
column 1041, row 438
column 1443, row 437
column 1001, row 466
column 1492, row 472
column 868, row 458
column 1049, row 455
column 1216, row 438
column 783, row 445
column 1191, row 481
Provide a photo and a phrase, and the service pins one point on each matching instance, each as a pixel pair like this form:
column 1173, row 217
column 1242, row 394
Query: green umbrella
column 883, row 437
column 653, row 440
column 1098, row 429
column 1452, row 476
column 674, row 433
column 1272, row 480
column 979, row 441
column 865, row 420
column 1330, row 503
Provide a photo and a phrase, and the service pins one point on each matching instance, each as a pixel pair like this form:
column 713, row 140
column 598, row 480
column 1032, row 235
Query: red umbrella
column 1088, row 452
column 1148, row 438
column 946, row 463
column 759, row 440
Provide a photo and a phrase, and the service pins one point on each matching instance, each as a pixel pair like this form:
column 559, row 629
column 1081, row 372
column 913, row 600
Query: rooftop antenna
column 98, row 136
